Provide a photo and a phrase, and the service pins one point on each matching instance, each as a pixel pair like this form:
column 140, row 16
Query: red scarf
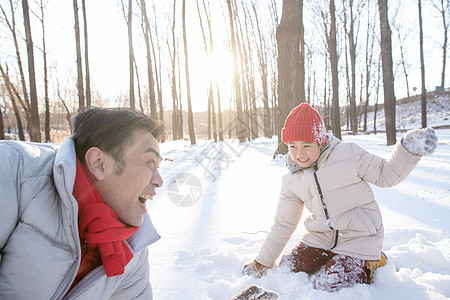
column 99, row 225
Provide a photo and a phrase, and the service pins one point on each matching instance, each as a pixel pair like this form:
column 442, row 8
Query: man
column 73, row 220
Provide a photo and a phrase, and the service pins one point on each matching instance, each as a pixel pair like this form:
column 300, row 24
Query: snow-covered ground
column 409, row 115
column 217, row 220
column 205, row 242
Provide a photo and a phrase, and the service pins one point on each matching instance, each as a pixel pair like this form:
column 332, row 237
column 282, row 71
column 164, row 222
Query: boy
column 344, row 232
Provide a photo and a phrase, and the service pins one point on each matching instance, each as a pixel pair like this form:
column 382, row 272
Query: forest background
column 217, row 69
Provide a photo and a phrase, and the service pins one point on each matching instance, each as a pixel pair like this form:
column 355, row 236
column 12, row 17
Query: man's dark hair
column 111, row 129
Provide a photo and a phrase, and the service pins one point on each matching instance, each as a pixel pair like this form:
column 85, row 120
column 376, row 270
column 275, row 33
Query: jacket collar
column 145, row 236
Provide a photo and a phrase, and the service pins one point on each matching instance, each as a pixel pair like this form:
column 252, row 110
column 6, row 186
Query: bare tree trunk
column 352, row 50
column 369, row 56
column 211, row 96
column 219, row 109
column 86, row 55
column 35, row 133
column 237, row 86
column 308, row 77
column 188, row 85
column 210, row 91
column 2, row 126
column 212, row 114
column 26, row 102
column 376, row 100
column 250, row 77
column 246, row 73
column 361, row 101
column 443, row 7
column 444, row 45
column 326, row 118
column 210, row 111
column 157, row 64
column 302, row 56
column 219, row 112
column 347, row 79
column 229, row 118
column 180, row 102
column 151, row 83
column 131, row 53
column 274, row 81
column 80, row 87
column 213, row 109
column 422, row 70
column 332, row 49
column 175, row 118
column 261, row 47
column 12, row 96
column 403, row 62
column 47, row 101
column 254, row 109
column 141, row 106
column 388, row 74
column 288, row 41
column 68, row 117
column 129, row 19
column 174, row 106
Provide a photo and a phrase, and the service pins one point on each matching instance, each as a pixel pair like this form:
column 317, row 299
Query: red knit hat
column 305, row 124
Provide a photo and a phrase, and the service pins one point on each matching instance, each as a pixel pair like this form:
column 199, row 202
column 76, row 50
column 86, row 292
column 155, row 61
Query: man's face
column 304, row 153
column 128, row 192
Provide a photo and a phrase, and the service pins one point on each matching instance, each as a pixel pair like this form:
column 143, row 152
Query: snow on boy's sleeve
column 288, row 215
column 9, row 186
column 385, row 172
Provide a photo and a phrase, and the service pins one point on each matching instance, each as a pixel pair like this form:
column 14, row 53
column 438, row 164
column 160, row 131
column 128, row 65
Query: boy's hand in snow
column 254, row 268
column 420, row 141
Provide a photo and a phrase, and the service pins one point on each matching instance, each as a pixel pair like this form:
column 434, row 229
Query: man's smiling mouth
column 143, row 198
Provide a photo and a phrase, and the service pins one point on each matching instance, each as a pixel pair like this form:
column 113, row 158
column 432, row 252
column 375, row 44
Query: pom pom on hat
column 305, row 124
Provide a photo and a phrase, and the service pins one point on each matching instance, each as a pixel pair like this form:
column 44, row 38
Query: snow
column 205, row 244
column 409, row 115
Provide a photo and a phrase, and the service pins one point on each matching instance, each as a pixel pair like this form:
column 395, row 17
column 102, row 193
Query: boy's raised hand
column 254, row 268
column 420, row 141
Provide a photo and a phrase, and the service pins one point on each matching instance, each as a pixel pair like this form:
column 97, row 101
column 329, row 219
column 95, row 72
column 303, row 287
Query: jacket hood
column 293, row 167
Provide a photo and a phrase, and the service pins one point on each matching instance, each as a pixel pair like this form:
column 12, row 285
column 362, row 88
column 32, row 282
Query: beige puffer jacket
column 354, row 226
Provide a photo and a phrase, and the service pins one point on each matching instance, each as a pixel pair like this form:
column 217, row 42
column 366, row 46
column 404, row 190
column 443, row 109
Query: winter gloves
column 254, row 268
column 420, row 141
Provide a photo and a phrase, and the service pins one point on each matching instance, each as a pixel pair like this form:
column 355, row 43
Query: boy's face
column 304, row 153
column 128, row 192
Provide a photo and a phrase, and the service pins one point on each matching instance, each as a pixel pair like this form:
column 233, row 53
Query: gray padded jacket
column 39, row 242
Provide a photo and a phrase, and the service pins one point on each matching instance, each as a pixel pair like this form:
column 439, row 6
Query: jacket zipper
column 328, row 221
column 85, row 283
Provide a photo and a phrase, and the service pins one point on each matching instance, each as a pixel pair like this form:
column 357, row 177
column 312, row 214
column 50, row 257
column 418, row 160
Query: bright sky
column 108, row 49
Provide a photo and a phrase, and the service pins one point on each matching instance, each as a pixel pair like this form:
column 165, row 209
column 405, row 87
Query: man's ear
column 95, row 163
